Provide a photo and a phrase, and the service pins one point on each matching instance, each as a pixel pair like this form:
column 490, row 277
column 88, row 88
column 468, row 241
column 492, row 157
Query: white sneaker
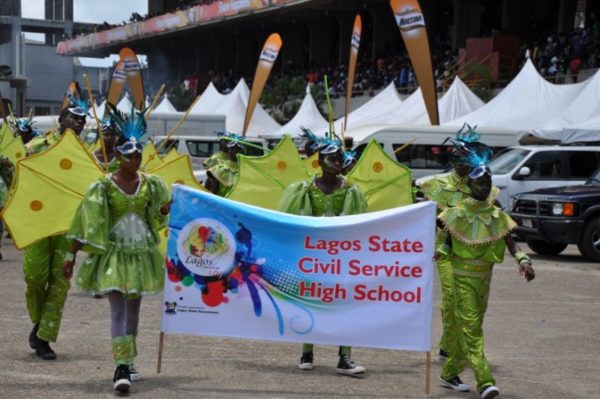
column 455, row 384
column 489, row 392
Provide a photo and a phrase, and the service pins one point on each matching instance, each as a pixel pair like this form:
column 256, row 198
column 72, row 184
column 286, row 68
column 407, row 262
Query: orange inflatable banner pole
column 132, row 69
column 117, row 82
column 267, row 58
column 354, row 45
column 411, row 23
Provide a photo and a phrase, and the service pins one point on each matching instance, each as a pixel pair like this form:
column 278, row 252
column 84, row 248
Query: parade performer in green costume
column 24, row 128
column 118, row 224
column 110, row 138
column 47, row 288
column 7, row 171
column 479, row 232
column 220, row 156
column 221, row 176
column 446, row 191
column 327, row 195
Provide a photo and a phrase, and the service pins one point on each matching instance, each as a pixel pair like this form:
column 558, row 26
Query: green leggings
column 47, row 288
column 465, row 339
column 344, row 350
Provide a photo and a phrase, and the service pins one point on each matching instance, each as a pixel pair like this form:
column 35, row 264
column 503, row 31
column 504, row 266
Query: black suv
column 551, row 218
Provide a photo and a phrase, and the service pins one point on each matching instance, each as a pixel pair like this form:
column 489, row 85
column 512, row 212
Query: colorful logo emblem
column 207, row 248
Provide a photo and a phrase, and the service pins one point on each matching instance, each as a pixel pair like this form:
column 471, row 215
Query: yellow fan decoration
column 47, row 190
column 171, row 155
column 312, row 164
column 261, row 180
column 385, row 182
column 178, row 170
column 150, row 158
column 11, row 146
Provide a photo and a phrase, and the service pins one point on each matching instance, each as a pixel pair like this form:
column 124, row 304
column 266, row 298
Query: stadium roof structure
column 308, row 116
column 527, row 103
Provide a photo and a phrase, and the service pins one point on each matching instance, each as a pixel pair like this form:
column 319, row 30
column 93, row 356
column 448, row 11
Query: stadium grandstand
column 198, row 41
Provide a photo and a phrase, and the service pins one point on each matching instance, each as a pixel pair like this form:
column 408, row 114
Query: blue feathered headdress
column 131, row 127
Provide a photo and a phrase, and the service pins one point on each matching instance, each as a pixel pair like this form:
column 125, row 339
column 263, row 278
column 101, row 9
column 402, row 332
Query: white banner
column 241, row 271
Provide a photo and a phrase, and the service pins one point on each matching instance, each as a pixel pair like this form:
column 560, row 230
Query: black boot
column 33, row 339
column 44, row 350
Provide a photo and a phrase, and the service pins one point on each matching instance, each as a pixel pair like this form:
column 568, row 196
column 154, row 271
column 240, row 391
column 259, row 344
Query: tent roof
column 165, row 106
column 526, row 103
column 234, row 108
column 209, row 100
column 307, row 116
column 374, row 110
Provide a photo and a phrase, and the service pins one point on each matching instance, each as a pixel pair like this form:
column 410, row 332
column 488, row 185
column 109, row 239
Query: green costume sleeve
column 355, row 202
column 159, row 195
column 295, row 199
column 91, row 223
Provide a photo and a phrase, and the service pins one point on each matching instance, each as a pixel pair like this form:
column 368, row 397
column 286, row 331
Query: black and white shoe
column 346, row 366
column 134, row 375
column 455, row 384
column 33, row 339
column 306, row 361
column 122, row 380
column 491, row 391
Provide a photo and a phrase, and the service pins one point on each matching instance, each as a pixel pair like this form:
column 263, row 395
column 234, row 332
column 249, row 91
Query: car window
column 582, row 164
column 544, row 165
column 163, row 149
column 422, row 156
column 507, row 161
column 202, row 149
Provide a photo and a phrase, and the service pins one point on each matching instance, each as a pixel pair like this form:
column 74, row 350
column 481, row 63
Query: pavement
column 542, row 340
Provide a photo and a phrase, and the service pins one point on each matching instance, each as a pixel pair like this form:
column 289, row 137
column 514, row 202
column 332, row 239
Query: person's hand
column 68, row 268
column 525, row 269
column 164, row 210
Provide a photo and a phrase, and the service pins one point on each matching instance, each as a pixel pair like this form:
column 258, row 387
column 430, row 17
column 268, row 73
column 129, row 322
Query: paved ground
column 542, row 340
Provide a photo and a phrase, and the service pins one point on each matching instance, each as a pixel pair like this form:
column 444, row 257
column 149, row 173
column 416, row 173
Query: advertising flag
column 411, row 22
column 267, row 58
column 354, row 46
column 132, row 69
column 237, row 270
column 117, row 82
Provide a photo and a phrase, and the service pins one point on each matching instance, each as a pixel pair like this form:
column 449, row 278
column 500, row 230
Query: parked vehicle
column 551, row 218
column 426, row 155
column 525, row 168
column 200, row 148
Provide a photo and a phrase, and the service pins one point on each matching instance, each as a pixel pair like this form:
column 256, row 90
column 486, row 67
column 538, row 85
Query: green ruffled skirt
column 132, row 274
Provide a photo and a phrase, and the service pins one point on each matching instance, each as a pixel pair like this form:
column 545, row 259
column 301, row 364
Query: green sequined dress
column 120, row 233
column 305, row 198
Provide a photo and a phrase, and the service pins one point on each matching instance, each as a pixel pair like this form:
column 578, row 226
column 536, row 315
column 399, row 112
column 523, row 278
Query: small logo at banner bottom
column 206, row 248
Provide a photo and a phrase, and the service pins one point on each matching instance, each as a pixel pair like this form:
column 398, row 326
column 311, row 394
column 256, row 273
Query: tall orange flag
column 267, row 58
column 117, row 82
column 354, row 45
column 411, row 22
column 131, row 66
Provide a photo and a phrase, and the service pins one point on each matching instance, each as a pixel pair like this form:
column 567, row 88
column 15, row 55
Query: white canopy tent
column 308, row 116
column 209, row 100
column 165, row 106
column 385, row 102
column 527, row 103
column 459, row 100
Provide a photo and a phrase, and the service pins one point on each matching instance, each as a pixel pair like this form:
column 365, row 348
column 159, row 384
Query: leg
column 306, row 361
column 472, row 297
column 444, row 267
column 122, row 344
column 56, row 292
column 36, row 270
column 346, row 365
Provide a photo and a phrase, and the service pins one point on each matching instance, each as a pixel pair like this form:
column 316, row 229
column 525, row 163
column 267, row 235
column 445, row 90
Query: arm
column 69, row 261
column 521, row 257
